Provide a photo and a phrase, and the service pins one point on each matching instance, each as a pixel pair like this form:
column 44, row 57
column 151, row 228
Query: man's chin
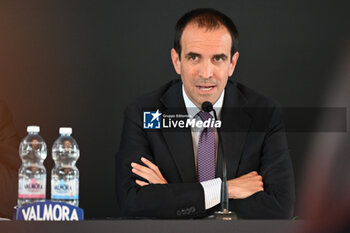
column 208, row 98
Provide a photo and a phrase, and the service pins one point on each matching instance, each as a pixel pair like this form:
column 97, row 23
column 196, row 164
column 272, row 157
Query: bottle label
column 61, row 189
column 34, row 188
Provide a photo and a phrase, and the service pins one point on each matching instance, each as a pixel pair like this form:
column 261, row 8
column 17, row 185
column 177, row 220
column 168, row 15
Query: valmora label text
column 49, row 211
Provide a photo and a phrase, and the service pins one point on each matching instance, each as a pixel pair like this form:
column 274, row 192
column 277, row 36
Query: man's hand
column 151, row 173
column 245, row 186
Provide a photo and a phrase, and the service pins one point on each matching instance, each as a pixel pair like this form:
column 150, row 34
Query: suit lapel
column 235, row 125
column 179, row 141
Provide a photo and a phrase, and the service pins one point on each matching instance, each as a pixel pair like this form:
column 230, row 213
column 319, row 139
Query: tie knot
column 205, row 115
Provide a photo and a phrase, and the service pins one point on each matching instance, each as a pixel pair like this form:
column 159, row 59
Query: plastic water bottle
column 32, row 173
column 65, row 175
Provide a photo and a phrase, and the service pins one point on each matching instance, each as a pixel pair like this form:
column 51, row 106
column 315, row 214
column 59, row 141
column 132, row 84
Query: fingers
column 152, row 166
column 140, row 167
column 141, row 183
column 149, row 164
column 245, row 186
column 250, row 174
column 142, row 174
column 145, row 172
column 261, row 188
column 151, row 173
column 253, row 174
column 258, row 179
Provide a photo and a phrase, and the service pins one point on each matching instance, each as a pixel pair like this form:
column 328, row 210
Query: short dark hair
column 208, row 18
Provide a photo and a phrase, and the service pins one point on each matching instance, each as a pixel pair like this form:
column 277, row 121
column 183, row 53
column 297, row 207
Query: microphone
column 224, row 213
column 207, row 107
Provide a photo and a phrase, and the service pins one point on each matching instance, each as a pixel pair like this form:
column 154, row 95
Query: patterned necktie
column 206, row 151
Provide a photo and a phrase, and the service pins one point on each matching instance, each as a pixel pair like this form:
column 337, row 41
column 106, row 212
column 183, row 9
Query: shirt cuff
column 212, row 192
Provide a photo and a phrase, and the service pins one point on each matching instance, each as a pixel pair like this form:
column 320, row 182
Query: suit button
column 183, row 212
column 193, row 209
column 178, row 213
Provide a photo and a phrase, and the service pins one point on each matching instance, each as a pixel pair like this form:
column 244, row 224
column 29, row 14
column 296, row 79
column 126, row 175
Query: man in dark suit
column 158, row 171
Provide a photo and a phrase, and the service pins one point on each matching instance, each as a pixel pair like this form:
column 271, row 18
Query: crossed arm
column 142, row 190
column 238, row 188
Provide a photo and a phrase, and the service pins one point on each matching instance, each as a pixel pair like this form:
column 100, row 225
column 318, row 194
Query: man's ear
column 176, row 61
column 233, row 63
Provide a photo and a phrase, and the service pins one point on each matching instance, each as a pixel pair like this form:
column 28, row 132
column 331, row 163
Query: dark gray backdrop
column 79, row 63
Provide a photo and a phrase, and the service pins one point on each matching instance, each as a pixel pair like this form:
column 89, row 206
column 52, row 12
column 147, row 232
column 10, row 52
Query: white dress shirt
column 212, row 188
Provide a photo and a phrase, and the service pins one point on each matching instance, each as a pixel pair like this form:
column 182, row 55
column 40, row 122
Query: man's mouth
column 205, row 87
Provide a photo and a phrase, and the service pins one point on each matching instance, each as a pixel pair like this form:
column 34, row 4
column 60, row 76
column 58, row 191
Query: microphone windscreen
column 207, row 106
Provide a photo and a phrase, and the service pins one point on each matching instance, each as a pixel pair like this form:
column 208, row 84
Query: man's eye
column 218, row 59
column 193, row 57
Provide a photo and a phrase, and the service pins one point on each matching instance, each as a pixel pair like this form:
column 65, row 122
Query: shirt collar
column 192, row 109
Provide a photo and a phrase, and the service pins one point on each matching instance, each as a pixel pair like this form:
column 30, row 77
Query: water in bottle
column 32, row 173
column 65, row 175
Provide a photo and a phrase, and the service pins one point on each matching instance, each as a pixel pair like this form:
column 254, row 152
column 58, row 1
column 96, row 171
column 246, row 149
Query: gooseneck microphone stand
column 224, row 213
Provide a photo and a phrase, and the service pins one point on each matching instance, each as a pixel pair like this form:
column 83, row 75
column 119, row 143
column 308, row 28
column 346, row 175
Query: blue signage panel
column 49, row 211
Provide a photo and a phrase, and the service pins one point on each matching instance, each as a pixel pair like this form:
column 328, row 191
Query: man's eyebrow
column 221, row 55
column 190, row 54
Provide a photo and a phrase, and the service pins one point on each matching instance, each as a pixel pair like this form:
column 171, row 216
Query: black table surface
column 154, row 226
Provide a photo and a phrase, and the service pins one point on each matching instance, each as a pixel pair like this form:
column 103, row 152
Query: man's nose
column 206, row 70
